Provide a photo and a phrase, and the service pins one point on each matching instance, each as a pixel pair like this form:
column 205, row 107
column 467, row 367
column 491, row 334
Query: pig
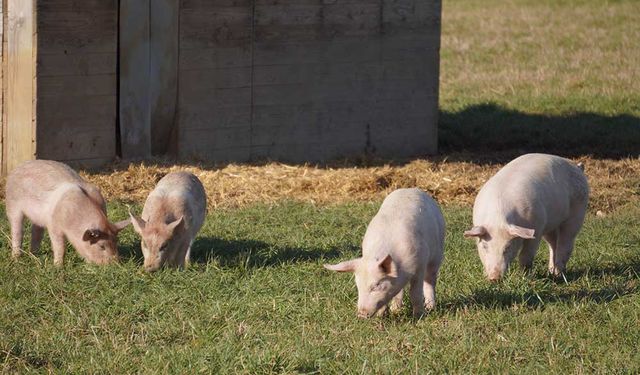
column 172, row 216
column 53, row 196
column 534, row 197
column 403, row 244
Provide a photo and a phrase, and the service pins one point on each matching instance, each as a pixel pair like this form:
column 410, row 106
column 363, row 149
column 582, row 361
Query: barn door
column 148, row 61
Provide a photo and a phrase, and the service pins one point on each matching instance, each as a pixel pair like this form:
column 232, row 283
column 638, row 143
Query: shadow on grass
column 498, row 297
column 489, row 133
column 253, row 253
column 240, row 253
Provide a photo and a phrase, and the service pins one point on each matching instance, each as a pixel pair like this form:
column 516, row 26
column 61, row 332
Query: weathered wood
column 76, row 74
column 217, row 27
column 163, row 74
column 135, row 121
column 67, row 31
column 19, row 129
column 78, row 142
column 2, row 81
column 215, row 79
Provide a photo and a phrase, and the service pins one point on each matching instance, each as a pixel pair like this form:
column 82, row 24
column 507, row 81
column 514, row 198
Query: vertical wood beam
column 135, row 119
column 163, row 74
column 20, row 68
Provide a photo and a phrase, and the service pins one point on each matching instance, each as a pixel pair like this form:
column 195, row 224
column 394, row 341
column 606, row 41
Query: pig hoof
column 419, row 315
column 430, row 305
column 556, row 271
column 16, row 253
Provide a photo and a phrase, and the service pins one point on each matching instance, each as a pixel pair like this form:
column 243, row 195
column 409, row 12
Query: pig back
column 534, row 189
column 37, row 184
column 182, row 194
column 409, row 220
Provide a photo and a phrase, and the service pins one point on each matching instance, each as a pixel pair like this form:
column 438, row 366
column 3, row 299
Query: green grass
column 258, row 301
column 543, row 75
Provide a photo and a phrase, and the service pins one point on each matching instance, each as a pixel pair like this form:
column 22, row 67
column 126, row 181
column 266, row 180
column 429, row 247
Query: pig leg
column 551, row 239
column 187, row 257
column 16, row 221
column 36, row 237
column 396, row 302
column 416, row 293
column 429, row 286
column 58, row 247
column 564, row 245
column 528, row 252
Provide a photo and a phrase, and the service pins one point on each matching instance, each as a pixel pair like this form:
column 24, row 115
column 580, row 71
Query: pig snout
column 363, row 314
column 495, row 274
column 152, row 267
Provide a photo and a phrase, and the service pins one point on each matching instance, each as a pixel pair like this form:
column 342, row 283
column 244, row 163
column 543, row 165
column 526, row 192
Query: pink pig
column 172, row 216
column 533, row 197
column 403, row 244
column 53, row 196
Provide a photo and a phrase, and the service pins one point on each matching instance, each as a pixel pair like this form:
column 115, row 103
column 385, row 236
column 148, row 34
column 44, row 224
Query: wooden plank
column 78, row 86
column 163, row 74
column 76, row 5
column 65, row 32
column 2, row 81
column 79, row 64
column 218, row 27
column 20, row 67
column 220, row 145
column 135, row 126
column 55, row 111
column 73, row 142
column 215, row 58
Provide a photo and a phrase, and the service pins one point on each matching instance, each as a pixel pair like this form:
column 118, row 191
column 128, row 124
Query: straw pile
column 613, row 182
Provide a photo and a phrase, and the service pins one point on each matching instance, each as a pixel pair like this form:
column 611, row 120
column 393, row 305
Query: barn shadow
column 497, row 297
column 489, row 133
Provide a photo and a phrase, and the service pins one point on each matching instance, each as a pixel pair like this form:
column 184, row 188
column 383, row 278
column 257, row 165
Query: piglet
column 403, row 244
column 172, row 216
column 53, row 196
column 533, row 197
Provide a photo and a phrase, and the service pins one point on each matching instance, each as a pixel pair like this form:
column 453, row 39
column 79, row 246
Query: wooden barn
column 84, row 81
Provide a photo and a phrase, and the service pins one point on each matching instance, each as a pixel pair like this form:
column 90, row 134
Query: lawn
column 517, row 76
column 258, row 301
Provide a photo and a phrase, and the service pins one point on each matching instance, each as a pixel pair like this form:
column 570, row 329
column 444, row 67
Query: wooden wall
column 76, row 80
column 308, row 80
column 218, row 80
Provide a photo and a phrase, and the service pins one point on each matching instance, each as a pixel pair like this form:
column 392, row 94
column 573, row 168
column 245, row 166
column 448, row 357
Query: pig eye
column 164, row 246
column 377, row 287
column 102, row 247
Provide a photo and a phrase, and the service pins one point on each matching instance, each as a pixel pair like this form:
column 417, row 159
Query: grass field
column 517, row 76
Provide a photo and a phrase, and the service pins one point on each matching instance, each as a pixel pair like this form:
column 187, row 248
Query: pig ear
column 346, row 266
column 477, row 231
column 387, row 265
column 176, row 224
column 120, row 225
column 138, row 223
column 92, row 235
column 521, row 232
